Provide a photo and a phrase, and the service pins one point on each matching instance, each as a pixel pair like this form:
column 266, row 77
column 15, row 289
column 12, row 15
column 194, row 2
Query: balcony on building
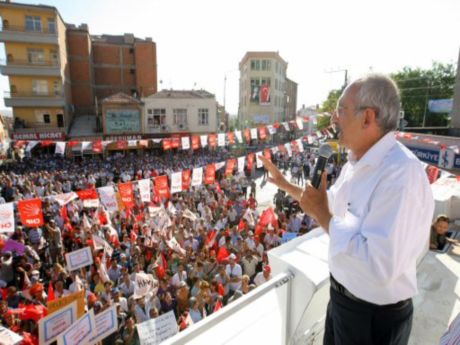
column 20, row 67
column 28, row 34
column 34, row 99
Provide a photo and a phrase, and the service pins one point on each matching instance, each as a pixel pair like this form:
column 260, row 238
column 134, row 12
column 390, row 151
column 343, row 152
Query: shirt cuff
column 341, row 231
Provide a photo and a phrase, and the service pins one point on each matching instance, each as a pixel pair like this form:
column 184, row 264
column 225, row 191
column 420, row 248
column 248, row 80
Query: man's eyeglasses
column 339, row 109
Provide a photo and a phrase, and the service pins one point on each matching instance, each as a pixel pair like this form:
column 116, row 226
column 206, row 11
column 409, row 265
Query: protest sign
column 176, row 182
column 154, row 331
column 6, row 218
column 79, row 332
column 8, row 337
column 144, row 189
column 50, row 327
column 106, row 324
column 79, row 258
column 62, row 302
column 100, row 243
column 197, row 177
column 143, row 284
column 108, row 198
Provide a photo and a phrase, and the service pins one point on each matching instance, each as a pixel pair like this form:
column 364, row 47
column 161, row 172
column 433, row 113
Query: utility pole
column 345, row 82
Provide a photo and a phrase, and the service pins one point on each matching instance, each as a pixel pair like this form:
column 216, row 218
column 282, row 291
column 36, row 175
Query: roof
column 121, row 98
column 118, row 39
column 35, row 7
column 261, row 55
column 182, row 94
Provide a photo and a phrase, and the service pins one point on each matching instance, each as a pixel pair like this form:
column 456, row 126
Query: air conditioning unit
column 182, row 126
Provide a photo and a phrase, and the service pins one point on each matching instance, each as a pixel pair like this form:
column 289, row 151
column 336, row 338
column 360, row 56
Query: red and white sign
column 6, row 218
column 197, row 177
column 161, row 187
column 108, row 198
column 186, row 179
column 230, row 166
column 185, row 143
column 231, row 138
column 212, row 140
column 144, row 189
column 265, row 94
column 210, row 175
column 39, row 136
column 195, row 142
column 176, row 182
column 31, row 212
column 127, row 194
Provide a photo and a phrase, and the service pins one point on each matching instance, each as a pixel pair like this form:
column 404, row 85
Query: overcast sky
column 202, row 41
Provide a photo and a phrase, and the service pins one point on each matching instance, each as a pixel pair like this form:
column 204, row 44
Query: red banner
column 250, row 161
column 167, row 144
column 247, row 135
column 46, row 143
column 230, row 166
column 264, row 94
column 31, row 213
column 433, row 173
column 268, row 154
column 122, row 144
column 186, row 179
column 262, row 133
column 144, row 143
column 127, row 194
column 294, row 145
column 231, row 138
column 162, row 187
column 72, row 143
column 195, row 142
column 175, row 142
column 87, row 194
column 97, row 146
column 210, row 175
column 212, row 140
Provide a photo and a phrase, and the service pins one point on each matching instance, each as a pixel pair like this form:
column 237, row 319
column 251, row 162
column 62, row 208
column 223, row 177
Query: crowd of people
column 219, row 239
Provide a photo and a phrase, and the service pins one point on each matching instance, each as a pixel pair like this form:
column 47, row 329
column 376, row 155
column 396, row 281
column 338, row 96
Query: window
column 266, row 65
column 180, row 116
column 132, row 71
column 156, row 117
column 255, row 65
column 54, row 57
column 51, row 26
column 36, row 56
column 203, row 117
column 39, row 87
column 33, row 23
column 57, row 88
column 46, row 118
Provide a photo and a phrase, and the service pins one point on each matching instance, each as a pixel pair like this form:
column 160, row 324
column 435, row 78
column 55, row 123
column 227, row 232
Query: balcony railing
column 19, row 62
column 29, row 94
column 18, row 28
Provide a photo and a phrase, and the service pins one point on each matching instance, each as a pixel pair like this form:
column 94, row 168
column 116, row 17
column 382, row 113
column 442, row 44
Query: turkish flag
column 217, row 306
column 162, row 187
column 51, row 296
column 262, row 132
column 167, row 144
column 230, row 166
column 175, row 141
column 231, row 138
column 211, row 238
column 212, row 140
column 127, row 194
column 267, row 154
column 122, row 144
column 247, row 135
column 87, row 194
column 186, row 179
column 265, row 94
column 72, row 143
column 195, row 142
column 31, row 212
column 222, row 255
column 97, row 146
column 250, row 161
column 269, row 217
column 210, row 175
column 46, row 143
column 433, row 173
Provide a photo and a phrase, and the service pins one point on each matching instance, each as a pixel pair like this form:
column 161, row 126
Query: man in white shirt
column 377, row 215
column 234, row 272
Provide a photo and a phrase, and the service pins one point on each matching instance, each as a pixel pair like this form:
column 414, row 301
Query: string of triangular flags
column 421, row 139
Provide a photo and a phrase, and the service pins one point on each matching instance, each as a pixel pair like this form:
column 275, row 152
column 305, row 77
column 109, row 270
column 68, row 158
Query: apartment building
column 181, row 112
column 266, row 94
column 37, row 68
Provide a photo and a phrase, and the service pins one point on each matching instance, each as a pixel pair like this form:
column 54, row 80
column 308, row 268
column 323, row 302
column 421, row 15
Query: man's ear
column 369, row 117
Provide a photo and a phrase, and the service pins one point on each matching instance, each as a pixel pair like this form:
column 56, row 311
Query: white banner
column 143, row 284
column 289, row 149
column 106, row 324
column 91, row 203
column 253, row 133
column 8, row 337
column 85, row 145
column 185, row 143
column 132, row 143
column 299, row 123
column 100, row 243
column 144, row 189
column 80, row 332
column 197, row 177
column 31, row 145
column 221, row 139
column 6, row 218
column 50, row 327
column 60, row 148
column 204, row 140
column 310, row 139
column 286, row 126
column 219, row 165
column 300, row 145
column 155, row 331
column 259, row 163
column 176, row 182
column 65, row 198
column 241, row 162
column 79, row 258
column 108, row 198
column 271, row 129
column 238, row 136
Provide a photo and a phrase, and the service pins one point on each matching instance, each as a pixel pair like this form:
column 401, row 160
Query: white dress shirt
column 382, row 208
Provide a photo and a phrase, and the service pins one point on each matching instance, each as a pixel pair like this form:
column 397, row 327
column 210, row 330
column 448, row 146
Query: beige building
column 455, row 123
column 266, row 94
column 180, row 112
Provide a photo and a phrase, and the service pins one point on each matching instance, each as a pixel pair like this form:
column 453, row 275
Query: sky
column 201, row 42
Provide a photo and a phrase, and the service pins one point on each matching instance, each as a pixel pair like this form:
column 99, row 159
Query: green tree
column 418, row 86
column 323, row 121
column 330, row 103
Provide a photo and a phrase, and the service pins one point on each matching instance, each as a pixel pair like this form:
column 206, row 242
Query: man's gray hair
column 380, row 92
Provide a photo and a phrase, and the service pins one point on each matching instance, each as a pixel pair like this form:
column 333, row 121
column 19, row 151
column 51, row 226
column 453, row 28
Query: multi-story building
column 180, row 112
column 37, row 68
column 58, row 70
column 266, row 94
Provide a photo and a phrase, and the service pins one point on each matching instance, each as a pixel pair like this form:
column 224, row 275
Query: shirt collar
column 376, row 153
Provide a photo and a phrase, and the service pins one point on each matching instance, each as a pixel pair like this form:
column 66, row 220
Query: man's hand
column 314, row 202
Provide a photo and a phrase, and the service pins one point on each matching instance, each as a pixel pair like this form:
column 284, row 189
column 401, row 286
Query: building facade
column 266, row 94
column 37, row 68
column 180, row 112
column 455, row 122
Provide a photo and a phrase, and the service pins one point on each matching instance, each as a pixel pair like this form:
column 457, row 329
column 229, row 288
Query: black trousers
column 361, row 323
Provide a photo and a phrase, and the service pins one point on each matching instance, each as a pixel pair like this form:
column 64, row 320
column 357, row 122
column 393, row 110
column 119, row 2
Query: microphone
column 325, row 151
